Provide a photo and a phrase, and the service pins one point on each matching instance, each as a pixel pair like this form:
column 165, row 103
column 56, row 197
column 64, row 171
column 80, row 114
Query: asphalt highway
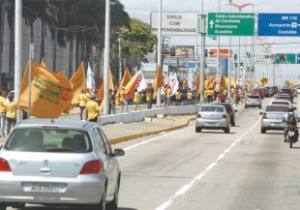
column 184, row 170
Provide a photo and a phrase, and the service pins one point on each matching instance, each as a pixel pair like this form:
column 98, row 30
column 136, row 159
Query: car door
column 112, row 169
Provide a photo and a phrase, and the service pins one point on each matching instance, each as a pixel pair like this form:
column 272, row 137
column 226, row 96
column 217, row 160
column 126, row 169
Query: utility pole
column 120, row 58
column 218, row 55
column 159, row 46
column 18, row 50
column 106, row 57
column 203, row 60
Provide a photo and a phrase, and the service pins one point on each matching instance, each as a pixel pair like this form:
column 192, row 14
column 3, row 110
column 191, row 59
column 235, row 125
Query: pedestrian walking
column 111, row 109
column 190, row 97
column 123, row 98
column 11, row 114
column 2, row 113
column 137, row 100
column 92, row 109
column 83, row 98
column 178, row 97
column 149, row 95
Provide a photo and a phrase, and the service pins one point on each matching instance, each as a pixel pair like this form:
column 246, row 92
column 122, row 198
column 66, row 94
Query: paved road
column 243, row 170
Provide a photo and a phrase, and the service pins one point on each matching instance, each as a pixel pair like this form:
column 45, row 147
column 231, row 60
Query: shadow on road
column 64, row 208
column 122, row 208
column 215, row 132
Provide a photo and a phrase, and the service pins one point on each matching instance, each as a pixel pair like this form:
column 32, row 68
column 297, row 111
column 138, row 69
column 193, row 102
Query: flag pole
column 31, row 50
column 159, row 51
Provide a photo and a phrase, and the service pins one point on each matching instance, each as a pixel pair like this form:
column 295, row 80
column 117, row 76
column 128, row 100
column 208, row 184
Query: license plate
column 44, row 188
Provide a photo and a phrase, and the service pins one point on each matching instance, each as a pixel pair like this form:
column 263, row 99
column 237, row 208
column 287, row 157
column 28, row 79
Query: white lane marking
column 196, row 179
column 155, row 139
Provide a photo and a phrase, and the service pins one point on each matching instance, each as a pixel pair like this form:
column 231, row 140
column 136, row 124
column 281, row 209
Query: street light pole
column 203, row 36
column 106, row 57
column 120, row 58
column 18, row 49
column 218, row 54
column 159, row 46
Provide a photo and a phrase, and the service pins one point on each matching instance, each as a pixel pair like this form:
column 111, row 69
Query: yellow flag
column 126, row 78
column 50, row 94
column 78, row 82
column 43, row 63
column 159, row 79
column 132, row 85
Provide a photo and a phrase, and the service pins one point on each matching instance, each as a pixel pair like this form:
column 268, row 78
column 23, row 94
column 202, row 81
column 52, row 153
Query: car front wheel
column 198, row 130
column 227, row 130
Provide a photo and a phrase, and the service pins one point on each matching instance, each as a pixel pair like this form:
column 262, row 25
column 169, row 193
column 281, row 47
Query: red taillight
column 4, row 165
column 264, row 116
column 199, row 116
column 224, row 116
column 92, row 167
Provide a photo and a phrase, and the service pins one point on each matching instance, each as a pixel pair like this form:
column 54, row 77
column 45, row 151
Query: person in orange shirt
column 2, row 113
column 11, row 114
column 92, row 110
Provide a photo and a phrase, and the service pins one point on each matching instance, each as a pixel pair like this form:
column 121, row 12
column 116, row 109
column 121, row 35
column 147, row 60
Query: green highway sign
column 231, row 24
column 285, row 59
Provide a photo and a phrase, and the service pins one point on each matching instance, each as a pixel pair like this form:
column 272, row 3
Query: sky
column 141, row 9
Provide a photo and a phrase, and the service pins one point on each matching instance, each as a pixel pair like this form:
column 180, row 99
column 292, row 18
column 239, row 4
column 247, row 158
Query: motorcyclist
column 291, row 121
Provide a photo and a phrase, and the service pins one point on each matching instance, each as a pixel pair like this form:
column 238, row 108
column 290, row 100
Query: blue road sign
column 298, row 58
column 278, row 24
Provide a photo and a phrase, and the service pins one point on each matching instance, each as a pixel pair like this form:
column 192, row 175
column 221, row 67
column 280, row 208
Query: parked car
column 253, row 100
column 230, row 112
column 59, row 162
column 273, row 118
column 213, row 117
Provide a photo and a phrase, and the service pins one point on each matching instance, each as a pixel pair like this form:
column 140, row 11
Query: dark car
column 230, row 111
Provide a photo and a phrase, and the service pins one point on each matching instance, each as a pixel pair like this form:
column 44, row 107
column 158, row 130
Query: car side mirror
column 261, row 113
column 119, row 152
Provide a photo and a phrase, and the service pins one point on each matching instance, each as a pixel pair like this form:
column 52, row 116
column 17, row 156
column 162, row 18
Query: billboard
column 176, row 23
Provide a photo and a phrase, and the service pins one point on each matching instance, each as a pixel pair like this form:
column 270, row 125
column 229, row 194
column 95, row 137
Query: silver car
column 213, row 117
column 59, row 162
column 253, row 101
column 273, row 118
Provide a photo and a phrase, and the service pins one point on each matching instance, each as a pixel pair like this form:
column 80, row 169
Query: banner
column 159, row 80
column 90, row 79
column 50, row 94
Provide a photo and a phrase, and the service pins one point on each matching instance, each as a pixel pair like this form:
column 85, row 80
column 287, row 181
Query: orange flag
column 43, row 63
column 78, row 82
column 159, row 79
column 126, row 78
column 100, row 94
column 197, row 83
column 50, row 94
column 132, row 84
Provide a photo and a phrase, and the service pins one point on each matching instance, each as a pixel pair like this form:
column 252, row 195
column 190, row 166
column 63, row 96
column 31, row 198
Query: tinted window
column 277, row 109
column 280, row 102
column 212, row 109
column 49, row 140
column 253, row 97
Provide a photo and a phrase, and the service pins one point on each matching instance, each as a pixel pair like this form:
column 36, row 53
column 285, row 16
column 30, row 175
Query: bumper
column 212, row 124
column 86, row 189
column 252, row 104
column 273, row 125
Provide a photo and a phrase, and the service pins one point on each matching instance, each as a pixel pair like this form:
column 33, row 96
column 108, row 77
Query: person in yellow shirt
column 190, row 97
column 178, row 97
column 92, row 109
column 11, row 114
column 137, row 100
column 82, row 102
column 2, row 113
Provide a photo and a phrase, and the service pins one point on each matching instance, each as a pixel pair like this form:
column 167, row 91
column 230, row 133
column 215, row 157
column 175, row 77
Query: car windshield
column 212, row 109
column 49, row 140
column 253, row 97
column 277, row 109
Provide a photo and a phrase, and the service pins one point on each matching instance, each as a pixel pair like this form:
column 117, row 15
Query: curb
column 120, row 139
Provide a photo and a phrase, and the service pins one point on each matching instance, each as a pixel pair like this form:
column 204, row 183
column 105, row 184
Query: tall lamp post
column 203, row 36
column 240, row 8
column 106, row 56
column 159, row 48
column 18, row 49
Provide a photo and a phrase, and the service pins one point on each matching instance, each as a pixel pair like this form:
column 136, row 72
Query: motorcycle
column 291, row 137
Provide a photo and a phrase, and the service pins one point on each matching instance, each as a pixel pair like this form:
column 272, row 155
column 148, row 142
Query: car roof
column 61, row 123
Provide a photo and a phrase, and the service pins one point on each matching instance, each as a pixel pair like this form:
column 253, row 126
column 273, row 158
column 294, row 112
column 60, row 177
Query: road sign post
column 231, row 24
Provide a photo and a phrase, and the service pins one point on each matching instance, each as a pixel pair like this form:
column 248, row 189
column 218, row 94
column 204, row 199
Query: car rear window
column 277, row 109
column 212, row 109
column 253, row 97
column 280, row 102
column 49, row 140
